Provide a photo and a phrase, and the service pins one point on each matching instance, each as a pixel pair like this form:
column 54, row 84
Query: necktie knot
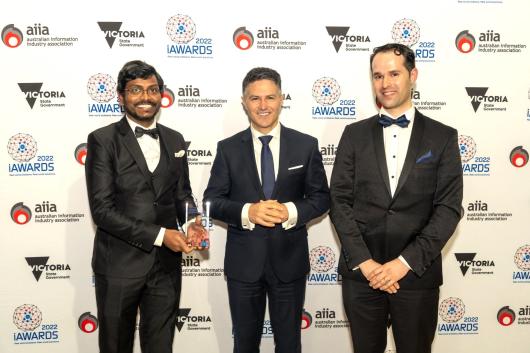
column 386, row 121
column 139, row 132
column 265, row 139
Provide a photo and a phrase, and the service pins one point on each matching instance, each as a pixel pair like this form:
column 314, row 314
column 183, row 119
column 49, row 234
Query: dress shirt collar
column 275, row 132
column 134, row 124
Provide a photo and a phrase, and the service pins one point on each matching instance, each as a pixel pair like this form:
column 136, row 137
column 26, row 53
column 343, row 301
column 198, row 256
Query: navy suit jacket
column 421, row 216
column 234, row 181
column 129, row 204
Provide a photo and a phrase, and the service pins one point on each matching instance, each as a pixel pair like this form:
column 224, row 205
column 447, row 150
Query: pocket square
column 295, row 167
column 179, row 154
column 424, row 158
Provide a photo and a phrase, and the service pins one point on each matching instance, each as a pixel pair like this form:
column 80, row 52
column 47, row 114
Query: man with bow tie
column 396, row 195
column 139, row 191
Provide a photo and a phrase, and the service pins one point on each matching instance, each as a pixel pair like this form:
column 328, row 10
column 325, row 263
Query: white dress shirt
column 274, row 145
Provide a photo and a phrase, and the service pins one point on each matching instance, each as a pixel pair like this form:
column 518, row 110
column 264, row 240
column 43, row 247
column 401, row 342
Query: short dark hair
column 398, row 49
column 137, row 69
column 262, row 73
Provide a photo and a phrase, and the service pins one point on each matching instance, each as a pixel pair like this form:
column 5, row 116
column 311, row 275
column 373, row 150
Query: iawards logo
column 352, row 42
column 323, row 267
column 478, row 267
column 102, row 89
column 47, row 99
column 12, row 36
column 522, row 261
column 40, row 264
column 126, row 38
column 22, row 148
column 326, row 92
column 37, row 35
column 407, row 32
column 472, row 165
column 28, row 320
column 192, row 322
column 519, row 157
column 452, row 311
column 182, row 31
column 87, row 322
column 267, row 38
column 189, row 96
column 489, row 42
column 491, row 103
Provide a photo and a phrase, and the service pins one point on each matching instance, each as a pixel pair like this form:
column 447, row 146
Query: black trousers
column 412, row 313
column 118, row 299
column 247, row 307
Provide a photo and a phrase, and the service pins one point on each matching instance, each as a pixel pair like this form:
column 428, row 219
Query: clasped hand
column 268, row 213
column 385, row 276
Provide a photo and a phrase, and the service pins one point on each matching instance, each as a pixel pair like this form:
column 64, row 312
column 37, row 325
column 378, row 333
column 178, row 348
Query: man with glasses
column 138, row 187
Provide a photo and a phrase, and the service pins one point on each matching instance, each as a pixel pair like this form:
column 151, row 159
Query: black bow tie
column 139, row 132
column 386, row 121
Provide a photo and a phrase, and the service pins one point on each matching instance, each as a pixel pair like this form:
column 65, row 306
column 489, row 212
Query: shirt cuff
column 245, row 220
column 402, row 259
column 160, row 237
column 293, row 216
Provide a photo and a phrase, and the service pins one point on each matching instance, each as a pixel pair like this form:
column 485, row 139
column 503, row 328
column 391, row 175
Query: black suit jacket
column 234, row 181
column 129, row 204
column 421, row 216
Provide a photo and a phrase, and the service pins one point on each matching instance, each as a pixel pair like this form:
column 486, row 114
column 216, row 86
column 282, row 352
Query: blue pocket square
column 424, row 158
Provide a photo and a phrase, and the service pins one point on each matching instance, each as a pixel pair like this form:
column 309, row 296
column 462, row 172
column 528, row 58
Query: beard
column 130, row 109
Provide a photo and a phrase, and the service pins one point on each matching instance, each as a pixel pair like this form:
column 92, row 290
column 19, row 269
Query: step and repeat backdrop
column 60, row 63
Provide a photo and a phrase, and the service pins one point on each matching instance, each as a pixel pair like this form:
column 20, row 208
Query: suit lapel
column 416, row 137
column 130, row 143
column 284, row 160
column 379, row 146
column 250, row 160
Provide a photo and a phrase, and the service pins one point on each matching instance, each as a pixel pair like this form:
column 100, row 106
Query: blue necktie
column 386, row 121
column 267, row 166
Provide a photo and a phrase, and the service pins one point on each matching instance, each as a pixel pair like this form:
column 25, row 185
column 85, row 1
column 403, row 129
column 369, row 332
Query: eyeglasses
column 136, row 91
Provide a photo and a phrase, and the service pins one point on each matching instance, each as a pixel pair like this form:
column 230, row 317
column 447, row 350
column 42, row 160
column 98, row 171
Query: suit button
column 155, row 203
column 391, row 212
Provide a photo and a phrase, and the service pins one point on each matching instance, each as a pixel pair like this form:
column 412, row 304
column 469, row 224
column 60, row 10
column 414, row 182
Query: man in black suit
column 266, row 183
column 138, row 185
column 396, row 194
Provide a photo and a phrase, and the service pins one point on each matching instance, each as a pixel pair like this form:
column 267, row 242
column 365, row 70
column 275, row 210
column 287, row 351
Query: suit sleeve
column 316, row 191
column 218, row 192
column 100, row 180
column 342, row 213
column 447, row 204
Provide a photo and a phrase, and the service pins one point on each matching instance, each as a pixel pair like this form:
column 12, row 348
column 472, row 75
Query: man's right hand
column 176, row 241
column 266, row 213
column 370, row 270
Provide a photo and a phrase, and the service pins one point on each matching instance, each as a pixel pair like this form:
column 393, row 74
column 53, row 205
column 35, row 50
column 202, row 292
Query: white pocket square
column 295, row 167
column 179, row 154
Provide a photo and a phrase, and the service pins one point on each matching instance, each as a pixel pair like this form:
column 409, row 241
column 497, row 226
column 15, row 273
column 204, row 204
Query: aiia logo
column 505, row 316
column 87, row 322
column 243, row 38
column 339, row 35
column 12, row 36
column 80, row 153
column 478, row 95
column 20, row 213
column 168, row 98
column 32, row 91
column 406, row 31
column 307, row 319
column 465, row 42
column 111, row 30
column 519, row 157
column 328, row 153
column 190, row 261
column 39, row 265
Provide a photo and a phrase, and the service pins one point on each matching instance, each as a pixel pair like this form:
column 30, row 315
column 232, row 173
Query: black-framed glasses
column 137, row 90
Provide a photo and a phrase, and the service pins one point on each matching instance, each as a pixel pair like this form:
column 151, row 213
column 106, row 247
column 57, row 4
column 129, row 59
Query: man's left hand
column 196, row 234
column 388, row 275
